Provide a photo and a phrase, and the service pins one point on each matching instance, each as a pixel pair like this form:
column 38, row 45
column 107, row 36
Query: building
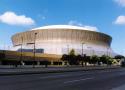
column 60, row 39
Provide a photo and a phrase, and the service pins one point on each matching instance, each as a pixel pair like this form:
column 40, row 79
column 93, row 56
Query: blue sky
column 108, row 16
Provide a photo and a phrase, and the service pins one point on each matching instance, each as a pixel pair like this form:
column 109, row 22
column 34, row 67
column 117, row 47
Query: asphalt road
column 113, row 79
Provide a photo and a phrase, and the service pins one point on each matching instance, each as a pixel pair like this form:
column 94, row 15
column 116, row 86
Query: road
column 113, row 79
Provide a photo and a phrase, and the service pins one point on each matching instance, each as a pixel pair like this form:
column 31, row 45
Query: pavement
column 20, row 70
column 105, row 79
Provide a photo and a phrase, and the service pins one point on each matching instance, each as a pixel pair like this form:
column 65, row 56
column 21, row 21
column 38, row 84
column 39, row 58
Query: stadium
column 60, row 39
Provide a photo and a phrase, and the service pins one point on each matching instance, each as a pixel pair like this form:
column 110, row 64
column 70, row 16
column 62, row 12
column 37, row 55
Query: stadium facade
column 60, row 39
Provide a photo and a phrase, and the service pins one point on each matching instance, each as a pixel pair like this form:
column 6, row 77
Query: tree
column 64, row 57
column 46, row 63
column 86, row 59
column 79, row 58
column 71, row 58
column 106, row 59
column 94, row 59
column 72, row 52
column 2, row 55
column 119, row 57
column 103, row 59
column 110, row 61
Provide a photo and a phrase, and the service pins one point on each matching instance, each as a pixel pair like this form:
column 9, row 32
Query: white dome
column 64, row 27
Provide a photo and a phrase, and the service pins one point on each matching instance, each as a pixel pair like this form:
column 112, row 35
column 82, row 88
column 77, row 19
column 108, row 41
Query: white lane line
column 77, row 80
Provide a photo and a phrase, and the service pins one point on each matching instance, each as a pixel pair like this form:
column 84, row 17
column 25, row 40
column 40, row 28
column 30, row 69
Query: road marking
column 77, row 80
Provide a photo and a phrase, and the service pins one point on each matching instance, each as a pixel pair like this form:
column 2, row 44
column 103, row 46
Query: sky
column 107, row 16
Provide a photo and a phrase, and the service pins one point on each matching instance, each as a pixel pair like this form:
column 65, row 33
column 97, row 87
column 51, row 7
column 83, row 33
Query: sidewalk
column 20, row 70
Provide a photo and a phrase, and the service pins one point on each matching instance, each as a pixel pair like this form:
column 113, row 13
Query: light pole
column 108, row 51
column 21, row 48
column 82, row 48
column 107, row 54
column 67, row 49
column 82, row 54
column 34, row 51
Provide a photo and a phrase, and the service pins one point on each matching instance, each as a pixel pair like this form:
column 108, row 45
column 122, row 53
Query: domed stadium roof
column 65, row 27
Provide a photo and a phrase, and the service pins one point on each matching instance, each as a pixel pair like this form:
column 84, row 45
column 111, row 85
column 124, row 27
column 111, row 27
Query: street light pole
column 107, row 54
column 21, row 48
column 34, row 51
column 82, row 48
column 82, row 53
column 67, row 49
column 108, row 51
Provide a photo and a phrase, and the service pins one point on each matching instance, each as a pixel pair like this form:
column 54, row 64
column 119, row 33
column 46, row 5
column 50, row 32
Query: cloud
column 120, row 20
column 12, row 18
column 73, row 22
column 41, row 17
column 120, row 2
column 91, row 28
